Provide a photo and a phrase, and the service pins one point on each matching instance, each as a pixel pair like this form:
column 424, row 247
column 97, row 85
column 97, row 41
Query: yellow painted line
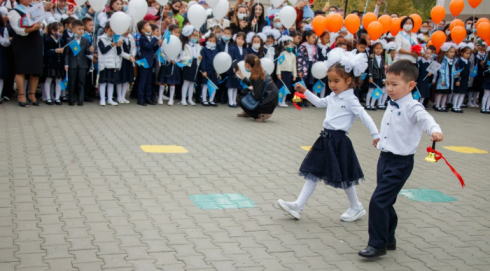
column 306, row 148
column 464, row 149
column 163, row 149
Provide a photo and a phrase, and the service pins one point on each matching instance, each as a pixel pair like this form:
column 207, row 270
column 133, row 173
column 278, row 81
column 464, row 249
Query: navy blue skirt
column 332, row 159
column 212, row 76
column 126, row 73
column 52, row 73
column 287, row 78
column 190, row 73
column 424, row 89
column 170, row 74
column 109, row 76
column 308, row 78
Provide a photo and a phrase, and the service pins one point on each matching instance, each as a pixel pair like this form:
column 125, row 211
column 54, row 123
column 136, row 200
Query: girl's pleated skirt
column 109, row 76
column 170, row 74
column 190, row 73
column 126, row 73
column 332, row 159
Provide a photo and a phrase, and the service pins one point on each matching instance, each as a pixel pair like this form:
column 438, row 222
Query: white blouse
column 403, row 43
column 14, row 19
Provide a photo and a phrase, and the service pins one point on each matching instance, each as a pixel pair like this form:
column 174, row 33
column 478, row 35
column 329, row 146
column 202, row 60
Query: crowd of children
column 113, row 63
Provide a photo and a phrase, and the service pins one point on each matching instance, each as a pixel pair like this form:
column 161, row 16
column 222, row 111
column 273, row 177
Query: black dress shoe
column 372, row 252
column 142, row 103
column 64, row 99
column 80, row 103
column 71, row 103
column 56, row 102
column 213, row 104
column 391, row 246
column 49, row 102
column 150, row 102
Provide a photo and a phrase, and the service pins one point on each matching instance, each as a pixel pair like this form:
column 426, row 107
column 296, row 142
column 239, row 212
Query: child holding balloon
column 332, row 159
column 208, row 54
column 192, row 55
column 170, row 73
column 445, row 77
column 109, row 53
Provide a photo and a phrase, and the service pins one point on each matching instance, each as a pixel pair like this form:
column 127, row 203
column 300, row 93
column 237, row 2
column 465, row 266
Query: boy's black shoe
column 391, row 246
column 88, row 100
column 372, row 252
column 141, row 103
column 80, row 103
column 150, row 102
column 71, row 103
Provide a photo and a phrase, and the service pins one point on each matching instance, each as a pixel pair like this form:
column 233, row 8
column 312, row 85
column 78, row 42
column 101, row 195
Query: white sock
column 57, row 88
column 352, row 196
column 485, row 102
column 110, row 92
column 185, row 86
column 230, row 96
column 125, row 87
column 235, row 92
column 305, row 194
column 211, row 99
column 119, row 92
column 373, row 101
column 190, row 92
column 383, row 98
column 368, row 96
column 102, row 87
column 284, row 99
column 204, row 95
column 172, row 92
column 460, row 100
column 322, row 93
column 47, row 88
column 438, row 100
column 449, row 98
column 160, row 93
column 421, row 100
column 443, row 100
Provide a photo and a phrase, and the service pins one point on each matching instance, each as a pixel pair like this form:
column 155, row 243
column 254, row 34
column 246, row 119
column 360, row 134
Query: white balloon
column 196, row 14
column 213, row 3
column 137, row 9
column 97, row 5
column 173, row 48
column 318, row 70
column 267, row 65
column 120, row 22
column 162, row 2
column 293, row 2
column 277, row 3
column 241, row 65
column 222, row 62
column 80, row 3
column 287, row 15
column 220, row 10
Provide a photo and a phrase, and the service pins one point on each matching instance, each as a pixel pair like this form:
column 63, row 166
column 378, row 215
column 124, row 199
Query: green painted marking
column 427, row 195
column 222, row 201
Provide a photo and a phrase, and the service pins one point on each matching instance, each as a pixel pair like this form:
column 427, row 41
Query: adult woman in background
column 257, row 19
column 405, row 40
column 261, row 87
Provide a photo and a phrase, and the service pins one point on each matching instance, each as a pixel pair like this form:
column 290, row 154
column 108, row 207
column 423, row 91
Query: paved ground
column 78, row 193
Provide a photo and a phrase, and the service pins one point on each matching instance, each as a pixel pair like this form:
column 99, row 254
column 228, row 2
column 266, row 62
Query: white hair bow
column 447, row 45
column 285, row 39
column 356, row 63
column 382, row 42
column 188, row 30
column 463, row 45
column 262, row 36
column 391, row 46
column 250, row 36
column 307, row 27
column 334, row 56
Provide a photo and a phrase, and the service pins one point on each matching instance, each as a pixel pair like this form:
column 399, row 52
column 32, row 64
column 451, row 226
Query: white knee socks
column 322, row 93
column 382, row 100
column 102, row 88
column 458, row 100
column 160, row 94
column 485, row 102
column 368, row 96
column 305, row 194
column 187, row 90
column 125, row 87
column 119, row 93
column 441, row 100
column 47, row 88
column 232, row 92
column 352, row 196
column 204, row 94
column 57, row 88
column 110, row 92
column 172, row 93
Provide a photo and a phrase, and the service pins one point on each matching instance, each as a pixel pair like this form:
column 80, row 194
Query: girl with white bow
column 377, row 76
column 192, row 55
column 332, row 158
column 286, row 71
column 445, row 75
column 461, row 81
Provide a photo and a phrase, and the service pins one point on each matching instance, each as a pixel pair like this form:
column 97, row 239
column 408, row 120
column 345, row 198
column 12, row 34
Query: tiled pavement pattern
column 78, row 193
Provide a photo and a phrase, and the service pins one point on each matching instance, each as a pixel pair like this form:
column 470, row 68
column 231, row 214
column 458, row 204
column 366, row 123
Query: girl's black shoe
column 49, row 102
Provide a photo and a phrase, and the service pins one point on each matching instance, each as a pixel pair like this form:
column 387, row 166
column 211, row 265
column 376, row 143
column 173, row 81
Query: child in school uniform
column 76, row 66
column 91, row 77
column 306, row 57
column 148, row 46
column 485, row 102
column 478, row 59
column 208, row 54
column 463, row 77
column 256, row 44
column 323, row 49
column 424, row 79
column 126, row 73
column 109, row 53
column 53, row 63
column 4, row 43
column 238, row 53
column 169, row 73
column 401, row 130
column 68, row 29
column 286, row 71
column 332, row 158
column 376, row 75
column 445, row 77
column 192, row 54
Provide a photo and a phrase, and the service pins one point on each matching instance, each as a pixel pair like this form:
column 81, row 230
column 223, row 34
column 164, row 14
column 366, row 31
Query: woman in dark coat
column 261, row 87
column 27, row 45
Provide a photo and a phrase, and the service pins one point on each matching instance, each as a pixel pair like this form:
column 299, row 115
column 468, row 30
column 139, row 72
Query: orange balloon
column 456, row 22
column 456, row 6
column 352, row 23
column 319, row 25
column 481, row 21
column 458, row 34
column 437, row 14
column 483, row 31
column 474, row 3
column 386, row 21
column 417, row 22
column 375, row 30
column 438, row 38
column 334, row 23
column 395, row 26
column 368, row 19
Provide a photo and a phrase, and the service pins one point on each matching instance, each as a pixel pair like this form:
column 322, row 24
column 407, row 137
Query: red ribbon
column 302, row 96
column 439, row 156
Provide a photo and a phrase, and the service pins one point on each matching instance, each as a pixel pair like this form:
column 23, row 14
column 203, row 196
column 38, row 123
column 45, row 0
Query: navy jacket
column 53, row 60
column 222, row 45
column 235, row 55
column 148, row 49
column 207, row 60
column 80, row 60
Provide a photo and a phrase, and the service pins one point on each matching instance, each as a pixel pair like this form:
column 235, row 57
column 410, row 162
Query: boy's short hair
column 153, row 27
column 405, row 69
column 227, row 29
column 141, row 25
column 295, row 33
column 362, row 42
column 76, row 23
column 68, row 20
column 86, row 20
